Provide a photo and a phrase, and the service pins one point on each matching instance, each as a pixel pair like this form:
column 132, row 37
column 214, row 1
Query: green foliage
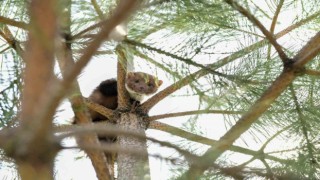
column 179, row 37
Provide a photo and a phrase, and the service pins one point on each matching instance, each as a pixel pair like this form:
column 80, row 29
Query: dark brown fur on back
column 106, row 95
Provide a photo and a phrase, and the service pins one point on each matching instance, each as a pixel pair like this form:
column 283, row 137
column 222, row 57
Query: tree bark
column 131, row 166
column 36, row 172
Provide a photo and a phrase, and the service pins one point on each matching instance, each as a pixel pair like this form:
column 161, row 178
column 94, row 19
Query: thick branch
column 66, row 62
column 36, row 123
column 257, row 109
column 308, row 52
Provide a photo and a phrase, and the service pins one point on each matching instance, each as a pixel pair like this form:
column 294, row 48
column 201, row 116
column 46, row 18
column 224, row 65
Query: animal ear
column 160, row 82
column 130, row 74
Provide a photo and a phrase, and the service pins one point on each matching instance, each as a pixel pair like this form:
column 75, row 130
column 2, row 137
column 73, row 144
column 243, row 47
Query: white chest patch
column 136, row 96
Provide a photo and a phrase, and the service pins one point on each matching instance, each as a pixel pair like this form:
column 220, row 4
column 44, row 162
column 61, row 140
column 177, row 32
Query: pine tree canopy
column 240, row 96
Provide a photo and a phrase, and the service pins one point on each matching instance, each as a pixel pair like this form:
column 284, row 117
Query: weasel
column 138, row 84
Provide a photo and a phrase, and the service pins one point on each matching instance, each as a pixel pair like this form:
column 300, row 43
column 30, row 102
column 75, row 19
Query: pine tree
column 248, row 68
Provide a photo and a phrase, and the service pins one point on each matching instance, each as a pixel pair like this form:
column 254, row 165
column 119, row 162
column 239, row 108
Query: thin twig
column 304, row 124
column 273, row 24
column 97, row 9
column 186, row 113
column 255, row 21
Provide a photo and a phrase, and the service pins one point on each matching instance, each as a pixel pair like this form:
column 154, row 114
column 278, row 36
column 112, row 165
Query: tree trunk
column 131, row 166
column 33, row 171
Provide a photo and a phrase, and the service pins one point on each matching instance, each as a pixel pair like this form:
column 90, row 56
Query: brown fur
column 138, row 84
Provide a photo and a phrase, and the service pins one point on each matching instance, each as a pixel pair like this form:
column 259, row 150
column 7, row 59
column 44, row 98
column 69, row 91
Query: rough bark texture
column 34, row 150
column 130, row 166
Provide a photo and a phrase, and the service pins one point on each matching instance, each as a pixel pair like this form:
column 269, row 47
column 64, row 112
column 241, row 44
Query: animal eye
column 136, row 81
column 150, row 85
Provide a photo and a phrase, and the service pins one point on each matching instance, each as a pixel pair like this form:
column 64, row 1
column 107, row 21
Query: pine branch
column 97, row 9
column 274, row 136
column 11, row 22
column 258, row 108
column 273, row 23
column 114, row 130
column 36, row 124
column 308, row 52
column 114, row 148
column 146, row 106
column 123, row 95
column 186, row 113
column 108, row 113
column 7, row 35
column 255, row 21
column 186, row 60
column 303, row 123
column 82, row 116
column 210, row 142
column 121, row 13
column 312, row 72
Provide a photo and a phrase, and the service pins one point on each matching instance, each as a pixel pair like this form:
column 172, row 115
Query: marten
column 138, row 84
